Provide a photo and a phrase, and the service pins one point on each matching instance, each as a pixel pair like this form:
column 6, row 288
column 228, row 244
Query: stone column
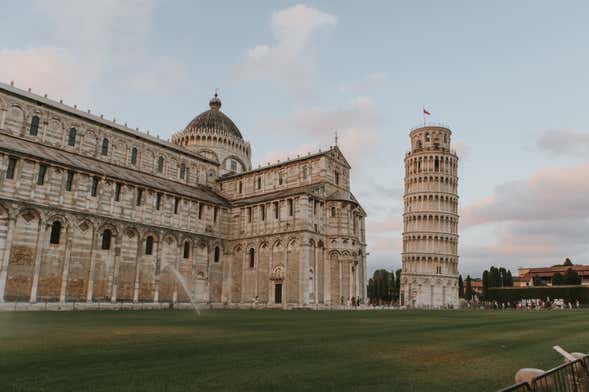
column 66, row 269
column 285, row 282
column 40, row 250
column 140, row 247
column 6, row 257
column 116, row 267
column 90, row 290
column 326, row 277
column 315, row 276
column 272, row 282
column 158, row 263
column 177, row 266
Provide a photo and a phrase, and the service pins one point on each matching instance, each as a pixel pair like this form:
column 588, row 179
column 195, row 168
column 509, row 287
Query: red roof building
column 526, row 275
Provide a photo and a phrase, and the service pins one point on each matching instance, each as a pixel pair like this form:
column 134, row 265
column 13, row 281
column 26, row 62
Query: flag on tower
column 426, row 112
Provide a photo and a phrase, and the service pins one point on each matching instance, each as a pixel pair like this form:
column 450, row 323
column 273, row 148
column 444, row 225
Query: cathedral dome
column 214, row 119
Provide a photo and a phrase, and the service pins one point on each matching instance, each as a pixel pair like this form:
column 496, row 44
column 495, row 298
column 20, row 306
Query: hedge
column 514, row 294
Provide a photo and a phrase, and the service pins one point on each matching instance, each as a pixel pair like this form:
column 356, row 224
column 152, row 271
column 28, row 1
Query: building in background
column 430, row 220
column 93, row 211
column 526, row 275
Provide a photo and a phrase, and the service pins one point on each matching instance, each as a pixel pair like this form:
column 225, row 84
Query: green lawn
column 280, row 350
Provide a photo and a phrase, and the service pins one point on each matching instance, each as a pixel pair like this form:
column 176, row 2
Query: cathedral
column 92, row 211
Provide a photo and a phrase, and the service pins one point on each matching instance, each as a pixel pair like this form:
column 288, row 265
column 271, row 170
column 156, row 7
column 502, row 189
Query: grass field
column 280, row 350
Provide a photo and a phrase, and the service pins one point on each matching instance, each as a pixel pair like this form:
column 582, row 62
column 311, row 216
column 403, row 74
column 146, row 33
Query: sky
column 510, row 78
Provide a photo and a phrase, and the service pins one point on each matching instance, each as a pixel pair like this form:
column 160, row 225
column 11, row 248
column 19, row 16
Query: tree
column 509, row 279
column 485, row 284
column 382, row 287
column 494, row 277
column 398, row 283
column 567, row 262
column 502, row 277
column 469, row 293
column 370, row 290
column 460, row 287
column 557, row 279
column 392, row 293
column 537, row 281
column 571, row 277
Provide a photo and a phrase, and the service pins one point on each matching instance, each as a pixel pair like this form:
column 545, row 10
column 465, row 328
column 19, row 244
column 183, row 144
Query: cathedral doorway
column 278, row 293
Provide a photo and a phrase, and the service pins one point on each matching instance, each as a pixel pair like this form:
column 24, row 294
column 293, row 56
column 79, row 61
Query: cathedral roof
column 214, row 119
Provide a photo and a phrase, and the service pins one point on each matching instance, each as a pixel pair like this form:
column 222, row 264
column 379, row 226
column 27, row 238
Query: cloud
column 51, row 70
column 550, row 194
column 287, row 60
column 534, row 221
column 565, row 142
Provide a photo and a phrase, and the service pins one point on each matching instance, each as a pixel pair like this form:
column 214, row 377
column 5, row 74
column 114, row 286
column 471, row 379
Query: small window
column 315, row 203
column 134, row 156
column 336, row 178
column 71, row 138
column 160, row 165
column 200, row 208
column 11, row 168
column 106, row 236
column 276, row 210
column 252, row 254
column 263, row 212
column 149, row 245
column 176, row 203
column 186, row 250
column 333, row 212
column 94, row 189
column 158, row 201
column 259, row 182
column 290, row 207
column 41, row 176
column 104, row 150
column 280, row 179
column 437, row 164
column 233, row 165
column 217, row 254
column 182, row 171
column 215, row 214
column 117, row 191
column 304, row 172
column 240, row 187
column 69, row 180
column 139, row 197
column 34, row 129
column 55, row 232
column 249, row 215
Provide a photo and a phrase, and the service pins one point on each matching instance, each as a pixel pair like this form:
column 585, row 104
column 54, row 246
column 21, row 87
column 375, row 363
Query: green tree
column 509, row 279
column 571, row 277
column 392, row 286
column 468, row 292
column 370, row 290
column 485, row 284
column 494, row 277
column 383, row 283
column 537, row 281
column 568, row 262
column 460, row 287
column 557, row 279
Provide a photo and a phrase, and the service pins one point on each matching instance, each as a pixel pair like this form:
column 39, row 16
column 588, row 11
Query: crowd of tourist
column 527, row 304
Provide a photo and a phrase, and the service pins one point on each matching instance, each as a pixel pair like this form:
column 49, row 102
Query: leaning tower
column 430, row 221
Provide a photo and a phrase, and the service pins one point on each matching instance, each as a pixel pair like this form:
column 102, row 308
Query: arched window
column 104, row 150
column 134, row 156
column 160, row 165
column 106, row 236
column 427, row 139
column 186, row 249
column 182, row 171
column 34, row 129
column 240, row 187
column 437, row 164
column 149, row 245
column 333, row 212
column 71, row 138
column 336, row 178
column 217, row 254
column 419, row 144
column 252, row 257
column 55, row 232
